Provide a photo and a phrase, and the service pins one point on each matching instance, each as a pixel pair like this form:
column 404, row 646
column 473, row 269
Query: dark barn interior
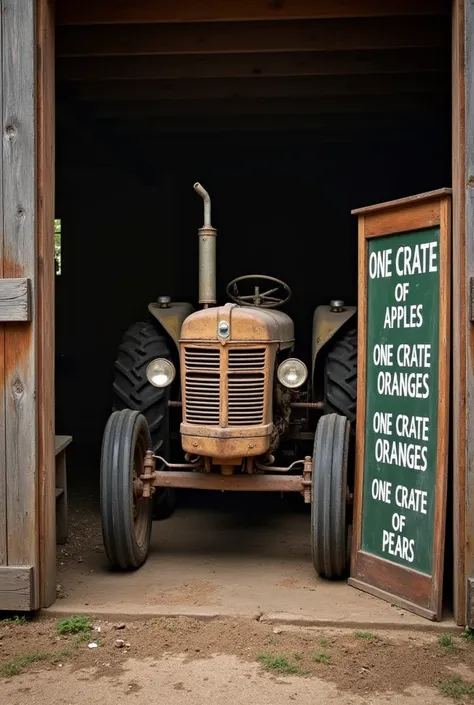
column 289, row 123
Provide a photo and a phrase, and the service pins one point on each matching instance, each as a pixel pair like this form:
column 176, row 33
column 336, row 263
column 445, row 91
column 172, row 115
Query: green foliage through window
column 57, row 245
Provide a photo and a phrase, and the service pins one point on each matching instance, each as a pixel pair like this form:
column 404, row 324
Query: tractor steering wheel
column 264, row 299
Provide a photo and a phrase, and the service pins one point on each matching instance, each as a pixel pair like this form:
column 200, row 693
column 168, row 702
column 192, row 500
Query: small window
column 57, row 245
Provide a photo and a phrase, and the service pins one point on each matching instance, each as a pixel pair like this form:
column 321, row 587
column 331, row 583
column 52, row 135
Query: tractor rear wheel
column 340, row 377
column 329, row 527
column 142, row 343
column 126, row 516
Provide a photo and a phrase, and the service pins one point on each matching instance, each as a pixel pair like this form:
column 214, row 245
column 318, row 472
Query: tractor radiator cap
column 336, row 305
column 164, row 301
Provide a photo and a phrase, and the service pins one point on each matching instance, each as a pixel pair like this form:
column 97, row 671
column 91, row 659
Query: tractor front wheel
column 329, row 529
column 126, row 515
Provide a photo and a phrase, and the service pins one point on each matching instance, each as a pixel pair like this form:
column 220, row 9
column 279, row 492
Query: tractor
column 244, row 402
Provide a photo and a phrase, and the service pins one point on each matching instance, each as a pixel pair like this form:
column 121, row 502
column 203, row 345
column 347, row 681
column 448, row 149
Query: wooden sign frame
column 410, row 589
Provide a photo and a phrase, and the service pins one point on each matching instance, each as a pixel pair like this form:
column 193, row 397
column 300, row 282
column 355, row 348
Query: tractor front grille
column 202, row 398
column 246, row 395
column 224, row 386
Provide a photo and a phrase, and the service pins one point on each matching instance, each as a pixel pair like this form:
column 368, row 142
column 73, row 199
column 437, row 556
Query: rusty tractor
column 245, row 401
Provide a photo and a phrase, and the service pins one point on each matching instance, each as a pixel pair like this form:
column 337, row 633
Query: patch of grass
column 324, row 641
column 171, row 627
column 279, row 664
column 17, row 619
column 17, row 664
column 447, row 642
column 77, row 624
column 468, row 634
column 456, row 688
column 321, row 657
column 364, row 635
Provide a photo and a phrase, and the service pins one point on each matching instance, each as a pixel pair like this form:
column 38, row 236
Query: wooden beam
column 15, row 300
column 468, row 186
column 252, row 65
column 252, row 37
column 227, row 89
column 20, row 261
column 463, row 328
column 399, row 104
column 45, row 28
column 151, row 131
column 17, row 589
column 131, row 12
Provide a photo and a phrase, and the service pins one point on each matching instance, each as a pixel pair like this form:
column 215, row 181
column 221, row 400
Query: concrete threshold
column 284, row 619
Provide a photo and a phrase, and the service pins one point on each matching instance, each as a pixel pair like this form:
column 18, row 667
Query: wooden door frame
column 463, row 331
column 45, row 125
column 33, row 379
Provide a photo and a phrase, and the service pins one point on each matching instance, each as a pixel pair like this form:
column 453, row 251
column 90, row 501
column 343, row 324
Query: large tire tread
column 340, row 378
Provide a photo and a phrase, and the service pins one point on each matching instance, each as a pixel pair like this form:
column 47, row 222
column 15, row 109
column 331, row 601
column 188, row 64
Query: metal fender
column 171, row 317
column 327, row 321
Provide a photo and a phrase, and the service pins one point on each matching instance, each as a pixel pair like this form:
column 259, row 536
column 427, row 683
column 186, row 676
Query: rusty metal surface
column 207, row 252
column 307, row 483
column 226, row 447
column 236, row 482
column 248, row 325
column 148, row 474
column 227, row 383
column 172, row 317
column 307, row 405
column 275, row 468
column 264, row 299
column 326, row 323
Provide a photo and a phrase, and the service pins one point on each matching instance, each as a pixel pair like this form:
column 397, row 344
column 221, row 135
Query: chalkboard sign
column 403, row 401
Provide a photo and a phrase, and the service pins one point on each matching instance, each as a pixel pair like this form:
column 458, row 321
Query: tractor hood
column 246, row 324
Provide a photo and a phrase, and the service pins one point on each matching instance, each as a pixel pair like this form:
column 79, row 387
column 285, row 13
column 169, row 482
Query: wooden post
column 19, row 260
column 463, row 331
column 46, row 276
column 27, row 494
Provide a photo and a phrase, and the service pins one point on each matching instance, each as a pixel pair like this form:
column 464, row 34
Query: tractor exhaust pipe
column 207, row 253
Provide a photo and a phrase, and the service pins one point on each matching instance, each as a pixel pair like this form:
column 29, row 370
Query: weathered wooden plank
column 129, row 11
column 61, row 443
column 19, row 227
column 294, row 87
column 17, row 589
column 333, row 105
column 469, row 254
column 46, row 278
column 252, row 65
column 3, row 460
column 15, row 300
column 151, row 132
column 252, row 37
column 460, row 323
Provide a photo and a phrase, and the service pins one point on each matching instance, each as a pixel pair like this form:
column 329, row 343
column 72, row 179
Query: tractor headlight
column 160, row 372
column 292, row 373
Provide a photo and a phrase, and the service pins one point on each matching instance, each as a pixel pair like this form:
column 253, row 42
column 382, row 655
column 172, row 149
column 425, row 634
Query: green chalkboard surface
column 402, row 398
column 403, row 401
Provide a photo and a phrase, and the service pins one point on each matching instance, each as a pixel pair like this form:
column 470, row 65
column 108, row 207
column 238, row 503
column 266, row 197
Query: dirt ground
column 219, row 554
column 183, row 660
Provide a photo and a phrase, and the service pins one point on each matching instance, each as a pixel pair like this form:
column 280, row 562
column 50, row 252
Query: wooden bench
column 61, row 443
